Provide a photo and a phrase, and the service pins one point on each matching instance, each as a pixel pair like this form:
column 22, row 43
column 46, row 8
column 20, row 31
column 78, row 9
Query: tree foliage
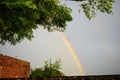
column 18, row 18
column 91, row 6
column 48, row 70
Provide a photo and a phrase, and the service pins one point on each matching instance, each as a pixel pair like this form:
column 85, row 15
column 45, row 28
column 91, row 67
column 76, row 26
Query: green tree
column 48, row 70
column 37, row 72
column 91, row 6
column 18, row 18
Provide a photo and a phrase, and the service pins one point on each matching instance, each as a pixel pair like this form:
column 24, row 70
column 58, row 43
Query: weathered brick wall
column 13, row 67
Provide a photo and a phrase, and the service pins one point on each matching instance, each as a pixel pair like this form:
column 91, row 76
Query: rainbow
column 73, row 53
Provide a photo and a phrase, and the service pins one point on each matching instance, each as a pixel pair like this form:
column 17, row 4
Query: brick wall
column 13, row 67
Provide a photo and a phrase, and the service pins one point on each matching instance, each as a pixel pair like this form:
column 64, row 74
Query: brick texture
column 13, row 67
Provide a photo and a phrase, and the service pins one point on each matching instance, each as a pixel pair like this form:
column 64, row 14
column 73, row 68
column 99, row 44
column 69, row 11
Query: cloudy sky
column 96, row 43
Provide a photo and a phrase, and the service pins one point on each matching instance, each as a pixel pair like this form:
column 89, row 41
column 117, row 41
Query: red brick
column 13, row 68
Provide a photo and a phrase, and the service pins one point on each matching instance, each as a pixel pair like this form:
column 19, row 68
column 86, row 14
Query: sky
column 96, row 43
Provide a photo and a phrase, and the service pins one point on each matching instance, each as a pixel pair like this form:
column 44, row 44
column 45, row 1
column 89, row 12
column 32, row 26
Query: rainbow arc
column 73, row 53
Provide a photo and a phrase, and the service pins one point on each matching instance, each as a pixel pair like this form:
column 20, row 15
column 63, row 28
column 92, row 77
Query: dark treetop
column 18, row 18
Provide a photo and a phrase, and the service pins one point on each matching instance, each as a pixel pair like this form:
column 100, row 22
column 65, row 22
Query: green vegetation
column 48, row 70
column 18, row 18
column 91, row 6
